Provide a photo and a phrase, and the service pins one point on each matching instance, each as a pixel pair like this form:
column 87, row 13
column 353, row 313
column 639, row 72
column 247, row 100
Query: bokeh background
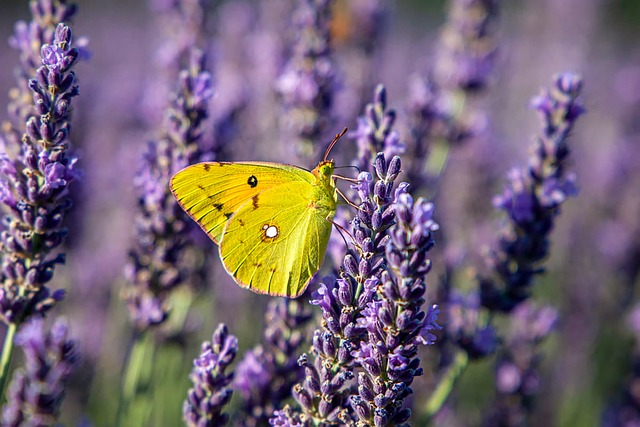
column 593, row 268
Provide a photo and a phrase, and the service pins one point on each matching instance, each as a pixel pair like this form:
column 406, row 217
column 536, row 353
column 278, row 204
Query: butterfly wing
column 275, row 243
column 211, row 192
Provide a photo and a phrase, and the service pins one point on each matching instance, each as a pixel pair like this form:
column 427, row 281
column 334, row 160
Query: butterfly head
column 324, row 171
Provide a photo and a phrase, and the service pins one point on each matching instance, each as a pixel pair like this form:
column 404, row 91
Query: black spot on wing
column 201, row 187
column 255, row 202
column 218, row 206
column 228, row 215
column 252, row 181
column 206, row 167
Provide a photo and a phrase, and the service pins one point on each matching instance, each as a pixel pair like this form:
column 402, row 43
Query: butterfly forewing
column 276, row 242
column 212, row 192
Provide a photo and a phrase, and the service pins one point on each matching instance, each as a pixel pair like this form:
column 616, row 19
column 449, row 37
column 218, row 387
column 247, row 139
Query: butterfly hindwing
column 276, row 242
column 212, row 192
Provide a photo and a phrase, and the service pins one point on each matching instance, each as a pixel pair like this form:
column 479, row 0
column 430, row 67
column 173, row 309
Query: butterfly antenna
column 348, row 167
column 337, row 137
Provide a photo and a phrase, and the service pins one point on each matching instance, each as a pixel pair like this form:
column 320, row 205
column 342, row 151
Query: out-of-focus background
column 593, row 268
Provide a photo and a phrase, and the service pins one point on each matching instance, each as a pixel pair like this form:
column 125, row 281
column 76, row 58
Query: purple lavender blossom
column 306, row 84
column 266, row 373
column 155, row 266
column 34, row 186
column 37, row 390
column 533, row 198
column 386, row 267
column 376, row 140
column 375, row 132
column 323, row 394
column 211, row 389
column 395, row 322
column 28, row 38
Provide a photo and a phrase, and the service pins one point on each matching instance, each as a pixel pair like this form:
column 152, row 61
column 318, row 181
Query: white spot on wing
column 270, row 231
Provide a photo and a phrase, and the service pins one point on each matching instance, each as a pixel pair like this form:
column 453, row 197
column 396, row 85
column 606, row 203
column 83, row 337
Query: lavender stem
column 137, row 375
column 445, row 386
column 7, row 352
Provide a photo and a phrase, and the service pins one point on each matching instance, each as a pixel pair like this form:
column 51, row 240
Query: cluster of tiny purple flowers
column 34, row 186
column 155, row 267
column 533, row 198
column 36, row 393
column 211, row 391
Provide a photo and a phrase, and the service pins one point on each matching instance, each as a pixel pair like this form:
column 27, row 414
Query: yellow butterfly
column 272, row 221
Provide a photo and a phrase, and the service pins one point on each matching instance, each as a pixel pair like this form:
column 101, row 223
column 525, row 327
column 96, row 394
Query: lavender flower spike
column 375, row 131
column 307, row 82
column 155, row 267
column 34, row 187
column 211, row 391
column 37, row 390
column 468, row 45
column 395, row 322
column 533, row 198
column 28, row 39
column 329, row 371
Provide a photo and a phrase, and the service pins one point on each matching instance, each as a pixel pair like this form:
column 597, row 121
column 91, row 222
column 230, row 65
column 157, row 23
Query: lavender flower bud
column 532, row 200
column 210, row 391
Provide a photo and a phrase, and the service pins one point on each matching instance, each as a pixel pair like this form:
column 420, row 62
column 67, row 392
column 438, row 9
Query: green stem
column 443, row 390
column 5, row 360
column 136, row 382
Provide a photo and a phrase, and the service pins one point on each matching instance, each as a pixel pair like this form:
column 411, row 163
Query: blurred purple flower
column 211, row 384
column 368, row 23
column 440, row 108
column 306, row 84
column 37, row 390
column 155, row 266
column 517, row 377
column 34, row 185
column 468, row 45
column 532, row 200
column 182, row 26
column 466, row 328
